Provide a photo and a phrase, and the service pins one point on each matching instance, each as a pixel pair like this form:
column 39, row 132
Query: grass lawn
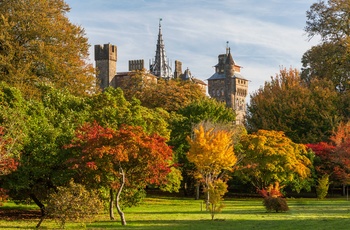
column 175, row 213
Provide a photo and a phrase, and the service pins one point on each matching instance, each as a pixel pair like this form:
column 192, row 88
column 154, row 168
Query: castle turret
column 160, row 66
column 106, row 64
column 229, row 86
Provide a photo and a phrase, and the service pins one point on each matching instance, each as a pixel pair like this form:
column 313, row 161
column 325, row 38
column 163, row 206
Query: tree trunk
column 111, row 204
column 120, row 212
column 207, row 201
column 42, row 208
column 197, row 191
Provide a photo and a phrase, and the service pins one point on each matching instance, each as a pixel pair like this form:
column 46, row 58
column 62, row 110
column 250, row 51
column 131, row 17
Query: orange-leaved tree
column 116, row 159
column 341, row 157
column 212, row 153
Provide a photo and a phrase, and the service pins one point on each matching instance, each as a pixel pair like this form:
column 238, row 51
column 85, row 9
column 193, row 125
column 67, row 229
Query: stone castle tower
column 229, row 86
column 106, row 64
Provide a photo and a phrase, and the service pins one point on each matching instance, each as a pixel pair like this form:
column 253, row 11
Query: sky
column 264, row 36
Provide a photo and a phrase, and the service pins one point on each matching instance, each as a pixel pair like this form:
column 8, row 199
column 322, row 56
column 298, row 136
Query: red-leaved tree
column 117, row 159
column 334, row 157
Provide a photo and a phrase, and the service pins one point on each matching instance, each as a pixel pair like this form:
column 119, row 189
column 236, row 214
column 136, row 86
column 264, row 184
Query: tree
column 333, row 157
column 341, row 158
column 329, row 19
column 211, row 151
column 270, row 156
column 306, row 114
column 111, row 109
column 182, row 124
column 330, row 60
column 48, row 125
column 122, row 159
column 7, row 162
column 324, row 158
column 39, row 44
column 171, row 95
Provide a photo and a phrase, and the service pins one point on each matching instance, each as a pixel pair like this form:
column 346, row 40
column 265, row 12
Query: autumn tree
column 306, row 114
column 39, row 44
column 270, row 156
column 211, row 151
column 122, row 159
column 341, row 157
column 333, row 157
column 171, row 95
column 182, row 124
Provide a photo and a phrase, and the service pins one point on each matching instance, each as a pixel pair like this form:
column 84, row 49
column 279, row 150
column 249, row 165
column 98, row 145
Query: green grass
column 175, row 213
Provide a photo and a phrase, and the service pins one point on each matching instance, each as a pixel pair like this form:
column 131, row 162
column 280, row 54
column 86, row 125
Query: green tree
column 49, row 125
column 329, row 19
column 306, row 114
column 270, row 156
column 39, row 44
column 330, row 59
column 182, row 124
column 111, row 109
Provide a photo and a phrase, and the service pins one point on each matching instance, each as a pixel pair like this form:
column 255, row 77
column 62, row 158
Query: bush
column 3, row 196
column 73, row 203
column 273, row 200
column 277, row 204
column 322, row 187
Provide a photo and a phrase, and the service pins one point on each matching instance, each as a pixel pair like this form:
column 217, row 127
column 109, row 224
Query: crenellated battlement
column 106, row 52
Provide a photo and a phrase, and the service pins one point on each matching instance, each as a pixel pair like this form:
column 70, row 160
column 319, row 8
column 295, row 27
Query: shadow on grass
column 222, row 224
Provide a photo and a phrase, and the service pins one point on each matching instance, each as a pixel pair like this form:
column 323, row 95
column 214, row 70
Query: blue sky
column 263, row 35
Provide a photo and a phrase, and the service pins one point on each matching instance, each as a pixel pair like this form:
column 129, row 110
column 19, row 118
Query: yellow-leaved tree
column 212, row 153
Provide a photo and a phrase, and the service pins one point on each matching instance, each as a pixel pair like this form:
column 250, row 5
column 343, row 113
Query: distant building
column 106, row 65
column 226, row 84
column 229, row 86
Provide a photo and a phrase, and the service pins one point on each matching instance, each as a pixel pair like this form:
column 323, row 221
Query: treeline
column 58, row 131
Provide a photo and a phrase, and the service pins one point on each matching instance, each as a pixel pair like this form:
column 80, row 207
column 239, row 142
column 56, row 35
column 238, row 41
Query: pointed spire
column 229, row 59
column 160, row 66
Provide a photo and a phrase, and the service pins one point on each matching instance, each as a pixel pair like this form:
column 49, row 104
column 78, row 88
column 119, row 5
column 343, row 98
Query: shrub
column 322, row 187
column 3, row 196
column 277, row 204
column 273, row 200
column 73, row 203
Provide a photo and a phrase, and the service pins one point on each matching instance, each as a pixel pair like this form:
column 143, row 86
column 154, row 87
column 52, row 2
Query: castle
column 226, row 84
